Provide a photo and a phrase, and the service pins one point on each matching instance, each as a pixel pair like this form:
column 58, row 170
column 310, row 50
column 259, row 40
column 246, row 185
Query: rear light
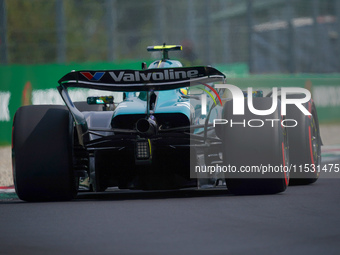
column 143, row 149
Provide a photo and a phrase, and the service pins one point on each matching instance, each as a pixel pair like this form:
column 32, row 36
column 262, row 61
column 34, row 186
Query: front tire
column 305, row 144
column 42, row 153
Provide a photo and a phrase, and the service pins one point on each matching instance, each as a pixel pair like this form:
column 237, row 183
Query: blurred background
column 259, row 36
column 256, row 43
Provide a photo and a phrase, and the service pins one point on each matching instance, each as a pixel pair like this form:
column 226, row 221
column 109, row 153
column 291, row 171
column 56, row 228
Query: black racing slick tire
column 42, row 153
column 255, row 150
column 305, row 144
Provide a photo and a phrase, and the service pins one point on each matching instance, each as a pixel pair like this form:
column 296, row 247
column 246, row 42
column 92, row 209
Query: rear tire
column 250, row 147
column 43, row 153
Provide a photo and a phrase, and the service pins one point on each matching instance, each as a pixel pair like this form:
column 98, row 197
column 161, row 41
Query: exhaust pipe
column 146, row 127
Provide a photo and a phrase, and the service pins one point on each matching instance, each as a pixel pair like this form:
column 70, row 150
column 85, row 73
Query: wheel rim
column 285, row 153
column 315, row 150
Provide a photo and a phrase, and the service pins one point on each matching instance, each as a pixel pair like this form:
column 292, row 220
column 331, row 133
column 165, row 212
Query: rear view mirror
column 100, row 100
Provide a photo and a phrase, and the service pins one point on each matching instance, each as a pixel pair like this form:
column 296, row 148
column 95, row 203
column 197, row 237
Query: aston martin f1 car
column 162, row 127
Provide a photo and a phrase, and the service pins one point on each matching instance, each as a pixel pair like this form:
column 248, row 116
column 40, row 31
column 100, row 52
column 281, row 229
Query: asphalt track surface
column 302, row 220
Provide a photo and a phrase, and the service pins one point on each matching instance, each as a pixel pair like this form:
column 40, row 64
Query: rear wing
column 142, row 80
column 130, row 81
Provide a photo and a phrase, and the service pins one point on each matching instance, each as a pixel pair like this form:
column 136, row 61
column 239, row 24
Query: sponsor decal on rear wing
column 142, row 80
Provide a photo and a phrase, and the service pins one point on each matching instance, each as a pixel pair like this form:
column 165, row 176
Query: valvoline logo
column 95, row 77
